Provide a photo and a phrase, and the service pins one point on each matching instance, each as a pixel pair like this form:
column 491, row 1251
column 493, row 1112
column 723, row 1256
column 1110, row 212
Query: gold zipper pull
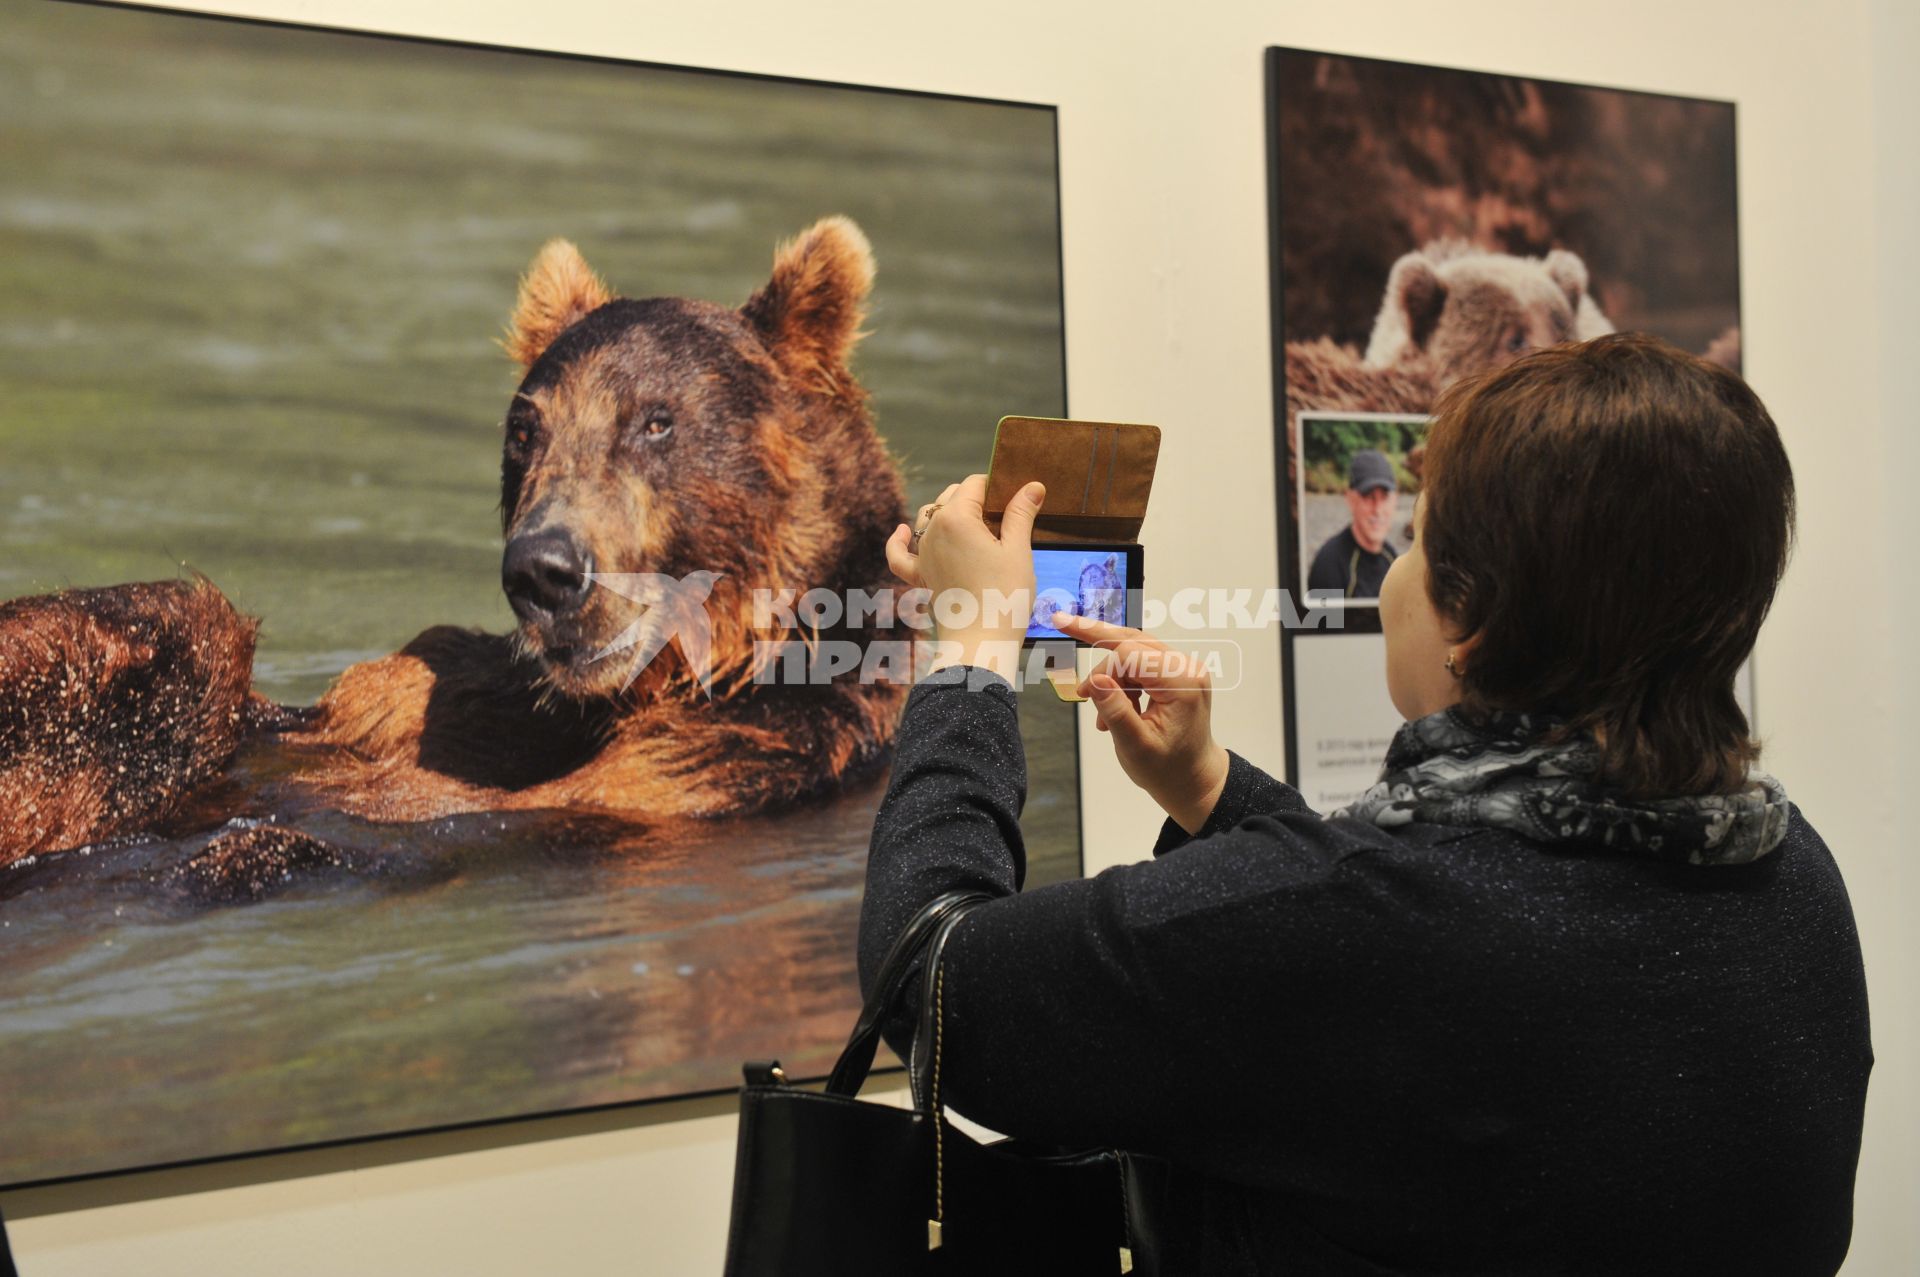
column 934, row 1240
column 1126, row 1259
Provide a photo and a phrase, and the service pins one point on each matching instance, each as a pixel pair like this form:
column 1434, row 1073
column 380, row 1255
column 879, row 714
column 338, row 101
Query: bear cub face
column 666, row 437
column 1464, row 310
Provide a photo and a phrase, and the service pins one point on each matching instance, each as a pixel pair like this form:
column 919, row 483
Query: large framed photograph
column 1428, row 224
column 413, row 454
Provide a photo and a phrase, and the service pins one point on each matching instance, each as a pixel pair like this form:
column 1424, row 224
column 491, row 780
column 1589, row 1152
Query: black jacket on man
column 1342, row 567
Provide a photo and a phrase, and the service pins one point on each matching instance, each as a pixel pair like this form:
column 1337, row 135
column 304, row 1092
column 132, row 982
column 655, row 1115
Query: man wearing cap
column 1354, row 562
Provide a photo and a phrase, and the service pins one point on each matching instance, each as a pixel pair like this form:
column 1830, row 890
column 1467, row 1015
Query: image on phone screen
column 1087, row 581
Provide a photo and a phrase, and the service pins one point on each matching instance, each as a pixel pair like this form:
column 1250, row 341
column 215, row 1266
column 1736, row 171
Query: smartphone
column 1095, row 579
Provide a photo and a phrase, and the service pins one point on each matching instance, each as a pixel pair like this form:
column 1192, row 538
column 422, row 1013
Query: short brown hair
column 1611, row 519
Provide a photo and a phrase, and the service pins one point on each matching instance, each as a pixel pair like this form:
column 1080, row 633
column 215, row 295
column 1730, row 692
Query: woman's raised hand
column 1165, row 745
column 950, row 551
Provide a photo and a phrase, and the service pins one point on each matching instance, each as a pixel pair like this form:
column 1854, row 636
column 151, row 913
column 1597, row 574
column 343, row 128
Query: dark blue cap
column 1370, row 471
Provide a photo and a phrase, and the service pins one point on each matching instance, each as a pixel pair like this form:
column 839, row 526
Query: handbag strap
column 923, row 1065
column 924, row 940
column 909, row 947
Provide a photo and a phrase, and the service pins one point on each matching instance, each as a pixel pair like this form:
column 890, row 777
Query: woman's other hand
column 1167, row 746
column 981, row 584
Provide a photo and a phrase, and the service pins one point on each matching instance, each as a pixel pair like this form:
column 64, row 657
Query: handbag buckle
column 764, row 1073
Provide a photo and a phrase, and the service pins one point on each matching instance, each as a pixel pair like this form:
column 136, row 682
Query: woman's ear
column 1460, row 651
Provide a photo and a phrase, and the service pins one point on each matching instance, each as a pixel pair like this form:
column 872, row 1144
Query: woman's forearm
column 1244, row 791
column 1191, row 800
column 951, row 815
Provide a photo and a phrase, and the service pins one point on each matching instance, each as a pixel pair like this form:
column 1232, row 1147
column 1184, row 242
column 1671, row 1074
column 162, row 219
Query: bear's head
column 1103, row 591
column 1461, row 310
column 668, row 453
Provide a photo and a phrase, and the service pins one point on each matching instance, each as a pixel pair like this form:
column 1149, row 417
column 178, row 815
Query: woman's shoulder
column 1281, row 906
column 1405, row 875
column 1805, row 863
column 1290, row 858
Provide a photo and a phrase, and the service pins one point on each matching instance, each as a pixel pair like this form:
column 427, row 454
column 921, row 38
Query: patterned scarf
column 1445, row 770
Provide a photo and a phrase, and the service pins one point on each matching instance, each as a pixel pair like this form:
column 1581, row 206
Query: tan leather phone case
column 1099, row 475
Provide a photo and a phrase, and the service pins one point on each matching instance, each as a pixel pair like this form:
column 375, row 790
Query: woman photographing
column 1573, row 989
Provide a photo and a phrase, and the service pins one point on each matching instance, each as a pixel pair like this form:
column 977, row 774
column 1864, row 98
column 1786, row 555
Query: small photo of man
column 1356, row 501
column 1354, row 561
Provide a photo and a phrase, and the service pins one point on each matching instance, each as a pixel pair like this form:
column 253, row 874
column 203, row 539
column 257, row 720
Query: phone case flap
column 1099, row 475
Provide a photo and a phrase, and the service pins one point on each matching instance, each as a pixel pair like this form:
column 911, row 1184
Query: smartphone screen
column 1086, row 580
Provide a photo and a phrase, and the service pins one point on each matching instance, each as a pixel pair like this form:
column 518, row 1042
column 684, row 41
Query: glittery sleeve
column 951, row 816
column 1248, row 792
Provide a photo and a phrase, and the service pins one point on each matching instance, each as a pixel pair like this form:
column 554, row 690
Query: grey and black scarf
column 1447, row 770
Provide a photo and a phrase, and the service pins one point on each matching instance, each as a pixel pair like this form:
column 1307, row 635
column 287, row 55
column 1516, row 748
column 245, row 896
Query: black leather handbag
column 825, row 1183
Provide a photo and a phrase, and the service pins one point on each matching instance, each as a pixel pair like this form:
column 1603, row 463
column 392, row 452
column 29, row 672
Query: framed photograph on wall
column 475, row 834
column 1426, row 224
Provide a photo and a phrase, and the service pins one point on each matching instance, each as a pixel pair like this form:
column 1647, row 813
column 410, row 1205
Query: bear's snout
column 545, row 574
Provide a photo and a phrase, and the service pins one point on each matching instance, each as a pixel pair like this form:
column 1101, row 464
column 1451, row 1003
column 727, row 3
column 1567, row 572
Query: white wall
column 1884, row 881
column 1163, row 165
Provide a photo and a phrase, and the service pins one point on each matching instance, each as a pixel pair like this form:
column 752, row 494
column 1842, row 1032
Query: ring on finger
column 920, row 529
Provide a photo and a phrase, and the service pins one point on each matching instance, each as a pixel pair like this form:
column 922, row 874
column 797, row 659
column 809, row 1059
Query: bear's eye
column 520, row 434
column 656, row 425
column 1516, row 341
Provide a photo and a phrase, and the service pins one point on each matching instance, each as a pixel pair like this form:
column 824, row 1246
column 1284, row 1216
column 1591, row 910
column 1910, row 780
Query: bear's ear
column 809, row 312
column 1570, row 273
column 1420, row 294
column 1410, row 312
column 557, row 292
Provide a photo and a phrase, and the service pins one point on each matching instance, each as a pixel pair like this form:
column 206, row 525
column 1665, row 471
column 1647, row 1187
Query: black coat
column 1432, row 1050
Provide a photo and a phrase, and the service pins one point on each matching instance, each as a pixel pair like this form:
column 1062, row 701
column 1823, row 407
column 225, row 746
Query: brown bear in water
column 663, row 440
